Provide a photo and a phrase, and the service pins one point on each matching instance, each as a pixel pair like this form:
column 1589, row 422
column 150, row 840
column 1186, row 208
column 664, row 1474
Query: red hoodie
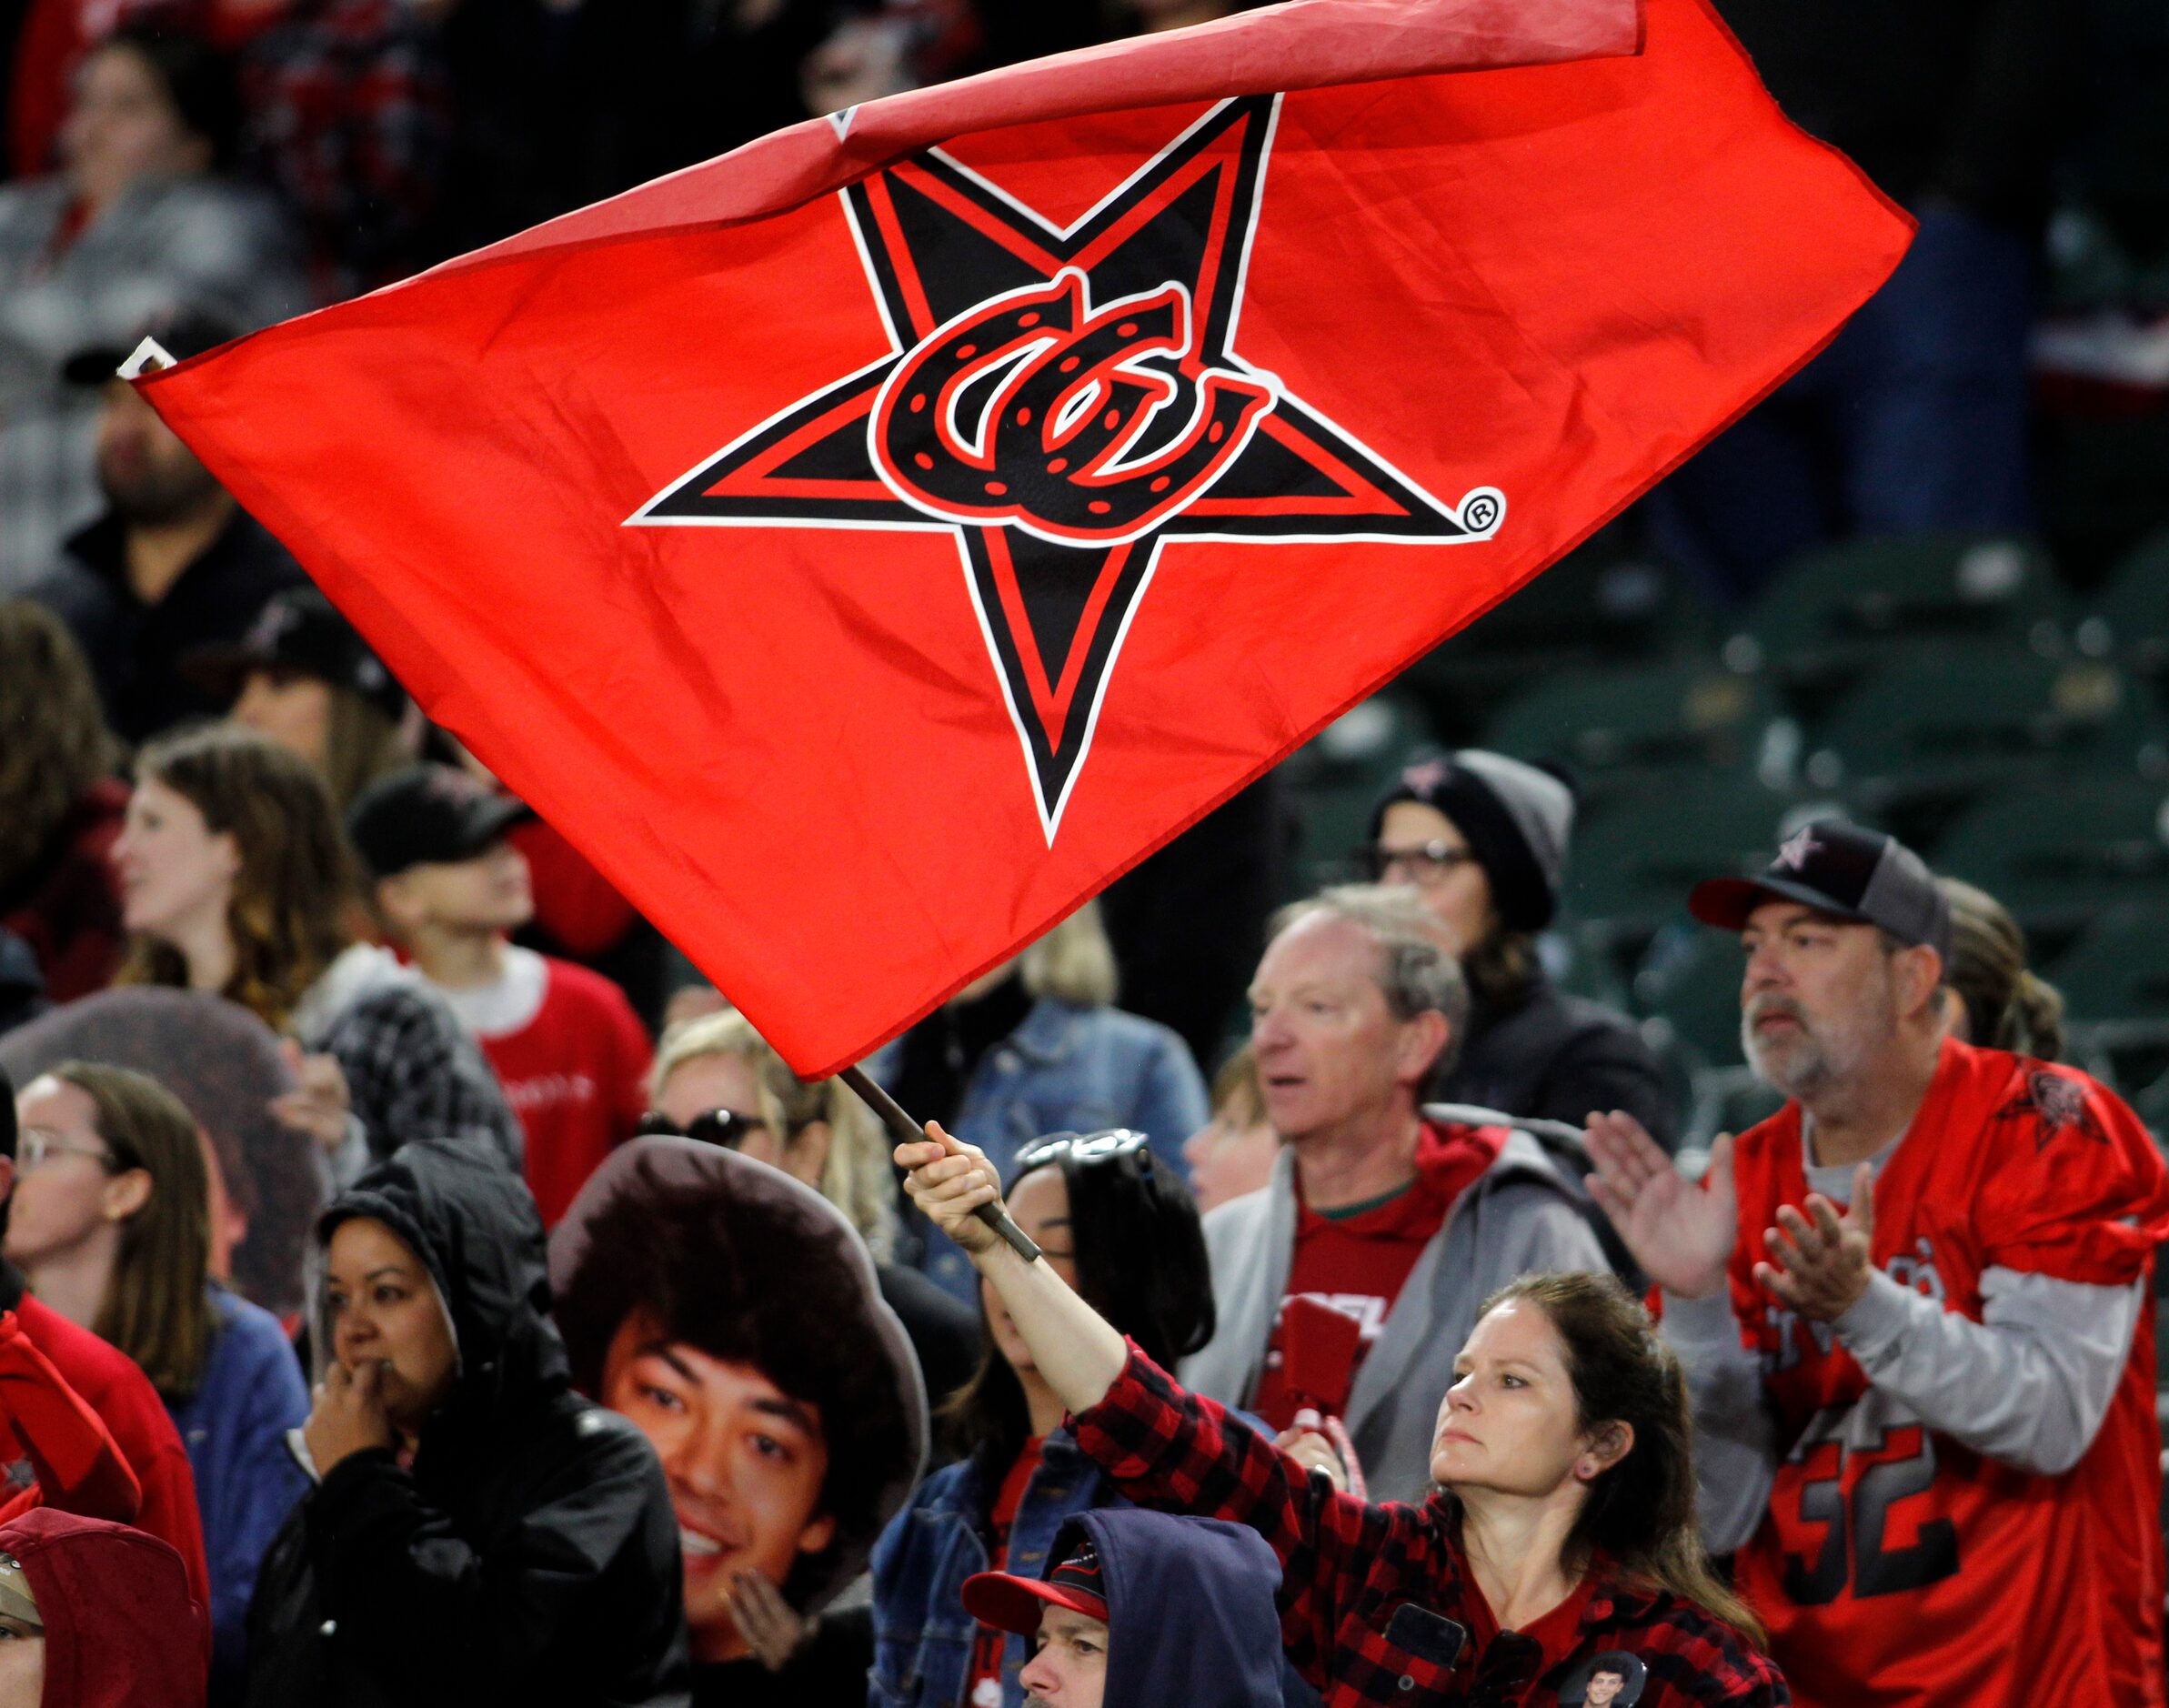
column 122, row 1630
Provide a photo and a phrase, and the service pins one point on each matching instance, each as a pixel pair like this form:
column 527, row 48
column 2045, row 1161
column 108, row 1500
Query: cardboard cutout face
column 733, row 1315
column 1613, row 1679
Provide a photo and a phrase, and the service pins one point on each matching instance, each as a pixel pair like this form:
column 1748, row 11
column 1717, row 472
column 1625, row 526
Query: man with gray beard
column 1914, row 1310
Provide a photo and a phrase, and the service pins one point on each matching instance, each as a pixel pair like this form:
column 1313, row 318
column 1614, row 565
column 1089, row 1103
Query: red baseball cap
column 1009, row 1602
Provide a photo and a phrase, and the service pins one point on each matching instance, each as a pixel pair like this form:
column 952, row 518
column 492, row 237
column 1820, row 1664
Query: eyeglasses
column 723, row 1127
column 1084, row 1149
column 39, row 1143
column 1422, row 866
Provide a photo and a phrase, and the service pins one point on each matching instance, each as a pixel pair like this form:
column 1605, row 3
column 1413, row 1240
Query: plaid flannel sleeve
column 1169, row 1448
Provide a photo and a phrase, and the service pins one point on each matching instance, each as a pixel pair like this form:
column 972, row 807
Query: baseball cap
column 429, row 815
column 298, row 630
column 1009, row 1602
column 181, row 330
column 1842, row 869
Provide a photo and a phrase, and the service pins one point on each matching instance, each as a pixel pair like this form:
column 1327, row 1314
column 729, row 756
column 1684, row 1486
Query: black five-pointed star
column 1063, row 400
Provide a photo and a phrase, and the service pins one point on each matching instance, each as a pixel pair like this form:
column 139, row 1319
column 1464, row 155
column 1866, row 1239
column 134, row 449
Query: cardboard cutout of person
column 733, row 1314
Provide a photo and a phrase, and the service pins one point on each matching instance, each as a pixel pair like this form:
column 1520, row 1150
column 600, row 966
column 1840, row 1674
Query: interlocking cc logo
column 1035, row 409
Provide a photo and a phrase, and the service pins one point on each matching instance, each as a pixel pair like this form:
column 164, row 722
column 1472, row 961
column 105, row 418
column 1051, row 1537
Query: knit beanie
column 1515, row 816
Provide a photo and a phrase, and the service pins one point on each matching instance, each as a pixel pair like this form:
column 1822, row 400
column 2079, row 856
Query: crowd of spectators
column 421, row 1285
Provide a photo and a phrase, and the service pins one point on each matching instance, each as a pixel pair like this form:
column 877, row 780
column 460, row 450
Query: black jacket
column 531, row 1555
column 134, row 649
column 1558, row 1058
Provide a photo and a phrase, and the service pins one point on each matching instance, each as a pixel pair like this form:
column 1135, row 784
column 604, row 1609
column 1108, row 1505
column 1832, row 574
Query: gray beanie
column 1517, row 818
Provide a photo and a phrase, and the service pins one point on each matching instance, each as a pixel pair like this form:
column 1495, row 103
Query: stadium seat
column 1334, row 779
column 1944, row 723
column 1622, row 732
column 2119, row 968
column 1866, row 595
column 1691, row 982
column 2056, row 856
column 2129, row 619
column 1633, row 863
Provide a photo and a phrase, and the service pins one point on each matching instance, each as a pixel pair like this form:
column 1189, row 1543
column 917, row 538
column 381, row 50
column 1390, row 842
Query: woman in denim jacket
column 1119, row 1226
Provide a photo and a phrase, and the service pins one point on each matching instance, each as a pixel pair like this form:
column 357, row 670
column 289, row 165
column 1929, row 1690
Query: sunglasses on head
column 1084, row 1149
column 723, row 1127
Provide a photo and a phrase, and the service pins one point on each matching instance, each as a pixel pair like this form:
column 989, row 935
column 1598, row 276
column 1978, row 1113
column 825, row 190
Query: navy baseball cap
column 1009, row 1602
column 429, row 815
column 1840, row 869
column 298, row 630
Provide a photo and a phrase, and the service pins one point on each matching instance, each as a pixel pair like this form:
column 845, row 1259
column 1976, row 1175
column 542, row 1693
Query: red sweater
column 107, row 1380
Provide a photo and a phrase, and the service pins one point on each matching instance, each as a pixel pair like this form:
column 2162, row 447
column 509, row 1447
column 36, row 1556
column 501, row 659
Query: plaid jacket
column 1347, row 1567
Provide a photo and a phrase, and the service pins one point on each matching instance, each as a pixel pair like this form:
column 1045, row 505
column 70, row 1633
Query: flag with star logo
column 866, row 546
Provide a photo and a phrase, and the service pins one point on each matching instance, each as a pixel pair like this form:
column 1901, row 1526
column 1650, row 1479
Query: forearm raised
column 1074, row 1347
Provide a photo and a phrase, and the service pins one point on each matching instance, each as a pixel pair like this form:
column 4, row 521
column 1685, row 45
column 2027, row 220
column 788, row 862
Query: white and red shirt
column 572, row 1059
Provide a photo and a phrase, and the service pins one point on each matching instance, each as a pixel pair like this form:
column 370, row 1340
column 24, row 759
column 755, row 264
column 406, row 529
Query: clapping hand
column 1823, row 1260
column 1681, row 1233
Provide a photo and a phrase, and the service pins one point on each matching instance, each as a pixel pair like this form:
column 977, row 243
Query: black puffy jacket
column 531, row 1555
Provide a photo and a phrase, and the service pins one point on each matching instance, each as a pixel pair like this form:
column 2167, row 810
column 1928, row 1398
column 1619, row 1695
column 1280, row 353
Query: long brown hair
column 291, row 911
column 2007, row 1005
column 361, row 743
column 54, row 743
column 157, row 1306
column 1640, row 1513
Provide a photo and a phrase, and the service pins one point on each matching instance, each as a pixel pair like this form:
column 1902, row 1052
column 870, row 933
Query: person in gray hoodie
column 1144, row 1609
column 1403, row 1224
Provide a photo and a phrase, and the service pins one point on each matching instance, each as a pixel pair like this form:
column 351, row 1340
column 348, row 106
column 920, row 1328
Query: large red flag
column 866, row 546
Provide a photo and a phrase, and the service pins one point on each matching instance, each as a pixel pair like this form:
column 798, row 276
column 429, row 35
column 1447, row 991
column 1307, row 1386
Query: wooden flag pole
column 907, row 1131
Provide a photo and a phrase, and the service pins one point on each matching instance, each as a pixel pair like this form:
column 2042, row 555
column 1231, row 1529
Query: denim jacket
column 1066, row 1069
column 922, row 1636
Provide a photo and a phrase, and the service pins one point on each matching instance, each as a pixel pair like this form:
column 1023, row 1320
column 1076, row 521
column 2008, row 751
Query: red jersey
column 1896, row 1567
column 1357, row 1261
column 107, row 1380
column 572, row 1059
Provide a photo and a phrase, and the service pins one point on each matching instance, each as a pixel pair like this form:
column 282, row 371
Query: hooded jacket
column 1523, row 1213
column 530, row 1555
column 121, row 1628
column 1191, row 1617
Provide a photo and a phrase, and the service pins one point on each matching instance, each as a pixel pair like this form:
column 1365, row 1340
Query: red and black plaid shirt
column 1347, row 1567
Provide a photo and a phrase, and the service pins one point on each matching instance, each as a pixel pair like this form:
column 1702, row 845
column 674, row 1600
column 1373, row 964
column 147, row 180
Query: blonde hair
column 2007, row 1005
column 1236, row 1092
column 857, row 1178
column 1073, row 963
column 362, row 742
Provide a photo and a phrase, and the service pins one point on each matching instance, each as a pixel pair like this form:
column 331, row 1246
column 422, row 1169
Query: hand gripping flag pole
column 907, row 1131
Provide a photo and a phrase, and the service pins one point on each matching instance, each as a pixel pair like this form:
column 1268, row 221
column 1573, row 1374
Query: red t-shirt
column 1357, row 1260
column 983, row 1688
column 572, row 1059
column 1895, row 1568
column 1558, row 1632
column 107, row 1380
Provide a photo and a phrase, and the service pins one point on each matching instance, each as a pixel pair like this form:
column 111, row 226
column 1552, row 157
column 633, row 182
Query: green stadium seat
column 1950, row 720
column 2119, row 968
column 2129, row 619
column 1334, row 779
column 1864, row 596
column 1693, row 983
column 1618, row 730
column 1633, row 863
column 2059, row 855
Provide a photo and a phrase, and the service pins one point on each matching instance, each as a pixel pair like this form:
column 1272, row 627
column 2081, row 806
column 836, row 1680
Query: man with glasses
column 1404, row 1225
column 105, row 1380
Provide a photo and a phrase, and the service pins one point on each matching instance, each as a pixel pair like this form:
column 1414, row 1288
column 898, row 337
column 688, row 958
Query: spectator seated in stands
column 732, row 1314
column 566, row 1045
column 718, row 1079
column 1925, row 1278
column 96, row 1616
column 477, row 1530
column 1352, row 1006
column 1483, row 840
column 173, row 564
column 1232, row 1154
column 135, row 222
column 1037, row 1046
column 113, row 1232
column 1990, row 996
column 1557, row 1536
column 1113, row 1221
column 237, row 881
column 302, row 675
column 105, row 1380
column 60, row 807
column 1142, row 1609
